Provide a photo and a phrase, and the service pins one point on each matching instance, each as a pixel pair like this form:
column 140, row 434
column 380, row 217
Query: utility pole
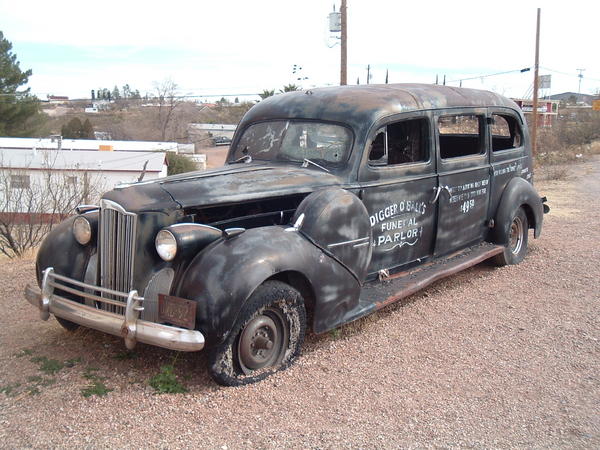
column 534, row 113
column 580, row 76
column 344, row 46
column 368, row 73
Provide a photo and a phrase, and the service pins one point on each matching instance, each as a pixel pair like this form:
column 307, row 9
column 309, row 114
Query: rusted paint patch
column 413, row 281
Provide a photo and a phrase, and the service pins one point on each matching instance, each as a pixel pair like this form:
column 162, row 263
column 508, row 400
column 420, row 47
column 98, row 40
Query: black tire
column 67, row 324
column 516, row 249
column 266, row 337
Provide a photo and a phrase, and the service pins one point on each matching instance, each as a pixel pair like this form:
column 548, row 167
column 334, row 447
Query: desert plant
column 266, row 93
column 556, row 173
column 179, row 164
column 165, row 382
column 290, row 88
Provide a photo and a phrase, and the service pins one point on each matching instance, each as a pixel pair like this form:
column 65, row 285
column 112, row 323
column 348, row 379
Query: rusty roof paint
column 356, row 105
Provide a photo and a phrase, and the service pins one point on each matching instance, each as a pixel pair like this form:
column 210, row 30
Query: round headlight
column 166, row 245
column 82, row 230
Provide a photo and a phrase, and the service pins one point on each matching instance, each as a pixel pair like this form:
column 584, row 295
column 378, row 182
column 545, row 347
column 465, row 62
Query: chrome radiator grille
column 117, row 249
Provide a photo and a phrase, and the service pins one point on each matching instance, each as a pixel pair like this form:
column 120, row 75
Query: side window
column 19, row 182
column 378, row 151
column 401, row 142
column 506, row 132
column 461, row 135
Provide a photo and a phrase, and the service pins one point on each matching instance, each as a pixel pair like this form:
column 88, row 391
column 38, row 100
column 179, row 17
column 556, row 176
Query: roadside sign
column 545, row 81
column 596, row 105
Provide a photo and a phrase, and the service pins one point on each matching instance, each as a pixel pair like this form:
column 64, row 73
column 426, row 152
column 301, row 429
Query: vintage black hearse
column 333, row 203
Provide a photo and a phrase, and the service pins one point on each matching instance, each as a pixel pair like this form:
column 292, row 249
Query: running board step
column 378, row 294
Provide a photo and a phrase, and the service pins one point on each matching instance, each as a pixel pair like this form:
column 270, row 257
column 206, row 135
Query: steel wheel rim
column 262, row 342
column 516, row 235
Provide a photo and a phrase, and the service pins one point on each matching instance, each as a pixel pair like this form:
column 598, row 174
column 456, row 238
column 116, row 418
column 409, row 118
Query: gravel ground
column 490, row 357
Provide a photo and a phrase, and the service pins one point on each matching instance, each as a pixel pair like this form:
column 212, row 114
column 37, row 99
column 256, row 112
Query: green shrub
column 165, row 382
column 179, row 164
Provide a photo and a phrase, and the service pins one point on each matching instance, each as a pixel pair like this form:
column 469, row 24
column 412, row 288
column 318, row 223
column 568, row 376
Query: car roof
column 359, row 106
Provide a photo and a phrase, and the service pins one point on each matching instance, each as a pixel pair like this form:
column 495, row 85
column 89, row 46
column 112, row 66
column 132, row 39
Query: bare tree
column 168, row 100
column 31, row 205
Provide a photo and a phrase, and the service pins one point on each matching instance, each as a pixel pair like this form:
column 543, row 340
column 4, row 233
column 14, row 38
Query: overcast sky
column 242, row 47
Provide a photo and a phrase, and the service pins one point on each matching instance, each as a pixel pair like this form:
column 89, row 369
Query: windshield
column 286, row 140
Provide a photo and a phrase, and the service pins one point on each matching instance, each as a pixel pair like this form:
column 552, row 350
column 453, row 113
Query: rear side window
column 401, row 142
column 460, row 135
column 506, row 132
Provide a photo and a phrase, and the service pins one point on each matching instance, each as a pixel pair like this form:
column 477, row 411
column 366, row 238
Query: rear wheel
column 516, row 249
column 266, row 337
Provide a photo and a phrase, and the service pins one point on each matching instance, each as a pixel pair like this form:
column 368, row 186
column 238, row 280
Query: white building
column 42, row 171
column 57, row 142
column 213, row 129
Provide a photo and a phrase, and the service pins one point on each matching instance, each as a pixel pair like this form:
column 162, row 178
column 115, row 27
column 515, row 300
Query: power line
column 574, row 75
column 148, row 98
column 526, row 69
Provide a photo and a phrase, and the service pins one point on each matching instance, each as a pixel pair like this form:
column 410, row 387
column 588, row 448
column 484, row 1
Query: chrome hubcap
column 516, row 235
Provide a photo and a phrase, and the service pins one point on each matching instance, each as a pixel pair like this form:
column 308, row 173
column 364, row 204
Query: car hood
column 234, row 184
column 229, row 184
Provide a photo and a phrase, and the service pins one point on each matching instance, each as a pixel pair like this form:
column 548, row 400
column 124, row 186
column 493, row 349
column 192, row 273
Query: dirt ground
column 491, row 357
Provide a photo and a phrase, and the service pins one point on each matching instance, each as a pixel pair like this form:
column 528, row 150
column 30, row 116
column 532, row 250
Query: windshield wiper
column 245, row 158
column 307, row 161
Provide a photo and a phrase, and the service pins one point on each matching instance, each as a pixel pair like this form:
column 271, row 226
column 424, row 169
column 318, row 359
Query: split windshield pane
column 286, row 140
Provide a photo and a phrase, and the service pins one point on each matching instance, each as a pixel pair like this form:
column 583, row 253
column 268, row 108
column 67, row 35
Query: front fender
column 61, row 251
column 518, row 193
column 223, row 276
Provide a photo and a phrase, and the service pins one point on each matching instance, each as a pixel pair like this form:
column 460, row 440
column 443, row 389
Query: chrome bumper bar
column 129, row 326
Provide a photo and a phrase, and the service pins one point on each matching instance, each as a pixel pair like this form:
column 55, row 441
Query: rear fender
column 518, row 193
column 223, row 276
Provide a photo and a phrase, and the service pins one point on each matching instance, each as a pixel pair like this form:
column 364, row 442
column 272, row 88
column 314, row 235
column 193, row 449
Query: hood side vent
column 254, row 214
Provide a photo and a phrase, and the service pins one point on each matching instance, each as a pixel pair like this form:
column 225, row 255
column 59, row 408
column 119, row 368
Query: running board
column 378, row 294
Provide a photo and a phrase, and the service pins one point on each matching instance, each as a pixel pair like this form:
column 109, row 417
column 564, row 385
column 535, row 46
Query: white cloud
column 252, row 45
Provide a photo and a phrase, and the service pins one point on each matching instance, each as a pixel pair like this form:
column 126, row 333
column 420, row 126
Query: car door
column 397, row 180
column 464, row 176
column 508, row 153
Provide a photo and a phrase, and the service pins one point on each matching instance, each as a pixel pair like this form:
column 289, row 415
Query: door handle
column 438, row 191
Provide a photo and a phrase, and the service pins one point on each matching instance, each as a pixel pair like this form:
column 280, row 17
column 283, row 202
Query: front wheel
column 516, row 249
column 266, row 337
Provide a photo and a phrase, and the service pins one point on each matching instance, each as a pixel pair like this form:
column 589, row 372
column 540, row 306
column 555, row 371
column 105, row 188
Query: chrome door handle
column 437, row 190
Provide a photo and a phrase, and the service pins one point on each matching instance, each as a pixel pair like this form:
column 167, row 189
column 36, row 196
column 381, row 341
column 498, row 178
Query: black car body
column 333, row 203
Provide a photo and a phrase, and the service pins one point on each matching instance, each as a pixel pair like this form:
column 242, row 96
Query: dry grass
column 568, row 142
column 555, row 173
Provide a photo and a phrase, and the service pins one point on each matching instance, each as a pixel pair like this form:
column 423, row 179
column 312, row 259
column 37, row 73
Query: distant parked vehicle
column 221, row 140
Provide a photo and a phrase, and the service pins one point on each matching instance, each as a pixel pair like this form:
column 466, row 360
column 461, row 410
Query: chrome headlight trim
column 82, row 230
column 166, row 245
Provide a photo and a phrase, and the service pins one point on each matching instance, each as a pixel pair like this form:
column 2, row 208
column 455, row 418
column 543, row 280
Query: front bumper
column 127, row 326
